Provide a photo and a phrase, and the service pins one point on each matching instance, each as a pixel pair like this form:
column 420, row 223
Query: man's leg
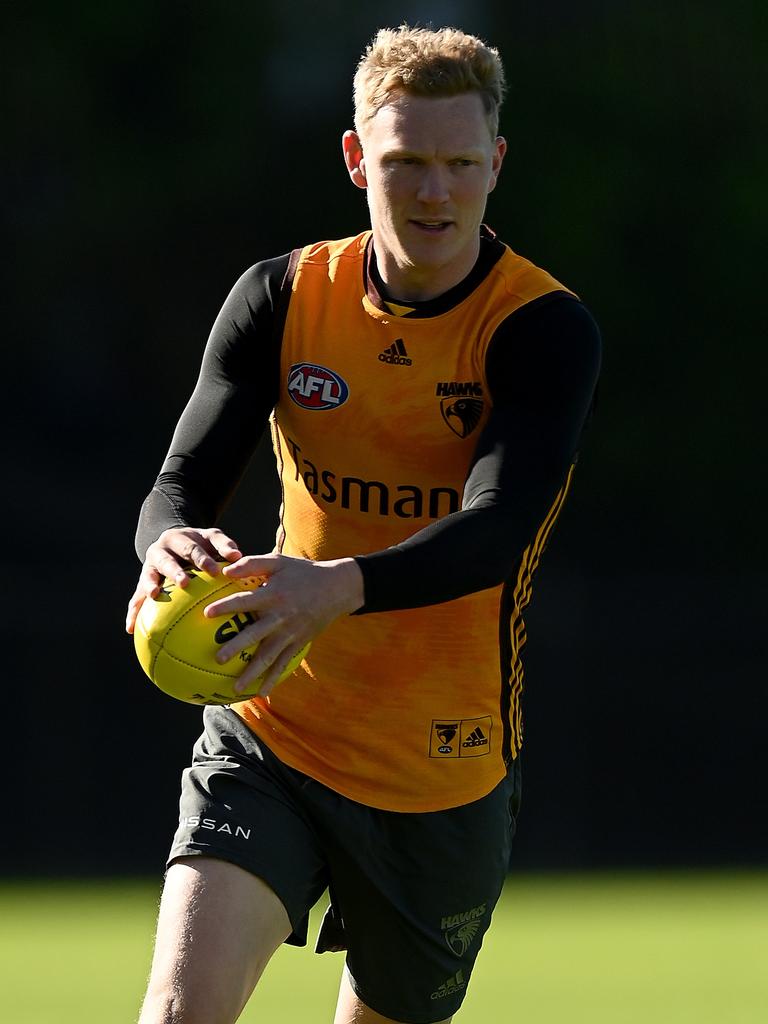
column 350, row 1009
column 217, row 929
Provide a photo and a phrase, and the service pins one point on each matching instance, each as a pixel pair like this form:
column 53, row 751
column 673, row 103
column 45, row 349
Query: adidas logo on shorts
column 395, row 354
column 454, row 984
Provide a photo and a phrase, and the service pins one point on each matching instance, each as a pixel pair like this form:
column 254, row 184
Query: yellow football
column 176, row 644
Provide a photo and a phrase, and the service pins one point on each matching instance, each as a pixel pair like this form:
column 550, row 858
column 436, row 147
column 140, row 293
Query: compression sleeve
column 227, row 413
column 542, row 367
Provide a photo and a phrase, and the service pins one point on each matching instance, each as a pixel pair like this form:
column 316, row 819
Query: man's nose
column 433, row 186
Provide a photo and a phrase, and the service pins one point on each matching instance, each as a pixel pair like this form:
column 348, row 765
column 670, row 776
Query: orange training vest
column 374, row 432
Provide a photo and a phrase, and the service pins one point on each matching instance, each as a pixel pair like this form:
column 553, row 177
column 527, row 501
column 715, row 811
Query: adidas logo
column 454, row 984
column 476, row 738
column 395, row 354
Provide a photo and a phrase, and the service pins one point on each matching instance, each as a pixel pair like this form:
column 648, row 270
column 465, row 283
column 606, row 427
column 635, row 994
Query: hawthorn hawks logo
column 461, row 405
column 316, row 387
column 460, row 930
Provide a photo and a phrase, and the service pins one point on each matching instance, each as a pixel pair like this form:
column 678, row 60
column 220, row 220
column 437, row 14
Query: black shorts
column 411, row 894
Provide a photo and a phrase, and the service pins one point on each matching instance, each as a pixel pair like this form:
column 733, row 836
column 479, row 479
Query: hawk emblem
column 461, row 414
column 460, row 940
column 446, row 732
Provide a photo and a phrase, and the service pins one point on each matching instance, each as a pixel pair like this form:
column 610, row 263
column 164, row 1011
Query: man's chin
column 429, row 251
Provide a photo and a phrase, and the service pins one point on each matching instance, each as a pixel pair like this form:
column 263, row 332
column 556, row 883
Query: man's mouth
column 432, row 227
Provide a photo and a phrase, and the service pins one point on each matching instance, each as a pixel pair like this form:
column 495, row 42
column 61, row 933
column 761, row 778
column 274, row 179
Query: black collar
column 491, row 251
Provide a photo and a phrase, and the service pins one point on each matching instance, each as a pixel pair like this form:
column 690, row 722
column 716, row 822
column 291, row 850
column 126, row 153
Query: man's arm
column 542, row 369
column 226, row 415
column 215, row 437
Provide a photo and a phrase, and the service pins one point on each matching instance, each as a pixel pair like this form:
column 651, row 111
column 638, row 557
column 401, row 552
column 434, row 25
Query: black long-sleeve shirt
column 541, row 366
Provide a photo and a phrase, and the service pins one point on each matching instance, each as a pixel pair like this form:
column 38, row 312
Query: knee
column 167, row 1005
column 162, row 1006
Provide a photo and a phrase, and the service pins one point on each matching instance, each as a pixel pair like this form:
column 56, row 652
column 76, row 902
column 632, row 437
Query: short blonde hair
column 426, row 62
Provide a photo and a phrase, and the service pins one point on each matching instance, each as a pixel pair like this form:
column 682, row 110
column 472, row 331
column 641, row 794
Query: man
column 427, row 388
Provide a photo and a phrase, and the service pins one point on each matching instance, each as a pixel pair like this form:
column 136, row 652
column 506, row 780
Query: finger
column 254, row 565
column 149, row 586
column 262, row 661
column 203, row 560
column 162, row 562
column 250, row 637
column 150, row 581
column 279, row 665
column 225, row 546
column 134, row 607
column 246, row 601
column 191, row 550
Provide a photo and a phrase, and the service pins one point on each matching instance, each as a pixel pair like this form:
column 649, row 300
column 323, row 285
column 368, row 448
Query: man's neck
column 491, row 250
column 413, row 284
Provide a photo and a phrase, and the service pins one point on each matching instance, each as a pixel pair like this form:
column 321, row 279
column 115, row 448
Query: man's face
column 428, row 165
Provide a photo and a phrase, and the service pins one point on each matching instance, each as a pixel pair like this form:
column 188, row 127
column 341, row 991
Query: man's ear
column 499, row 150
column 352, row 148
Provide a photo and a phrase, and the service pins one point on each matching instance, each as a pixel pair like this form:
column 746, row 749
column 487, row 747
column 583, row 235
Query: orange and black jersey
column 542, row 367
column 445, row 490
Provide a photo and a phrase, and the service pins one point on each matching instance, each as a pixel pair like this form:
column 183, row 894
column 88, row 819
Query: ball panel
column 191, row 637
column 176, row 644
column 191, row 683
column 195, row 685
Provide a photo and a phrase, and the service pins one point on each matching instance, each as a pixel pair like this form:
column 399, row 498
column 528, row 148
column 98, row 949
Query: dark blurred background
column 155, row 151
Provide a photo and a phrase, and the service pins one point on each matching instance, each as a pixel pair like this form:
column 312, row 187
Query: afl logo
column 316, row 387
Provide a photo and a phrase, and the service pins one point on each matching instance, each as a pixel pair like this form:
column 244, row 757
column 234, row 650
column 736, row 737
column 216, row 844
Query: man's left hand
column 298, row 600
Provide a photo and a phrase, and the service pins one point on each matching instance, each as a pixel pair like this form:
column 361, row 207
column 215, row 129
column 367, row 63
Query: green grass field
column 640, row 949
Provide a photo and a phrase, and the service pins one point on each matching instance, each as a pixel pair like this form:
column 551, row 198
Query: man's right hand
column 166, row 558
